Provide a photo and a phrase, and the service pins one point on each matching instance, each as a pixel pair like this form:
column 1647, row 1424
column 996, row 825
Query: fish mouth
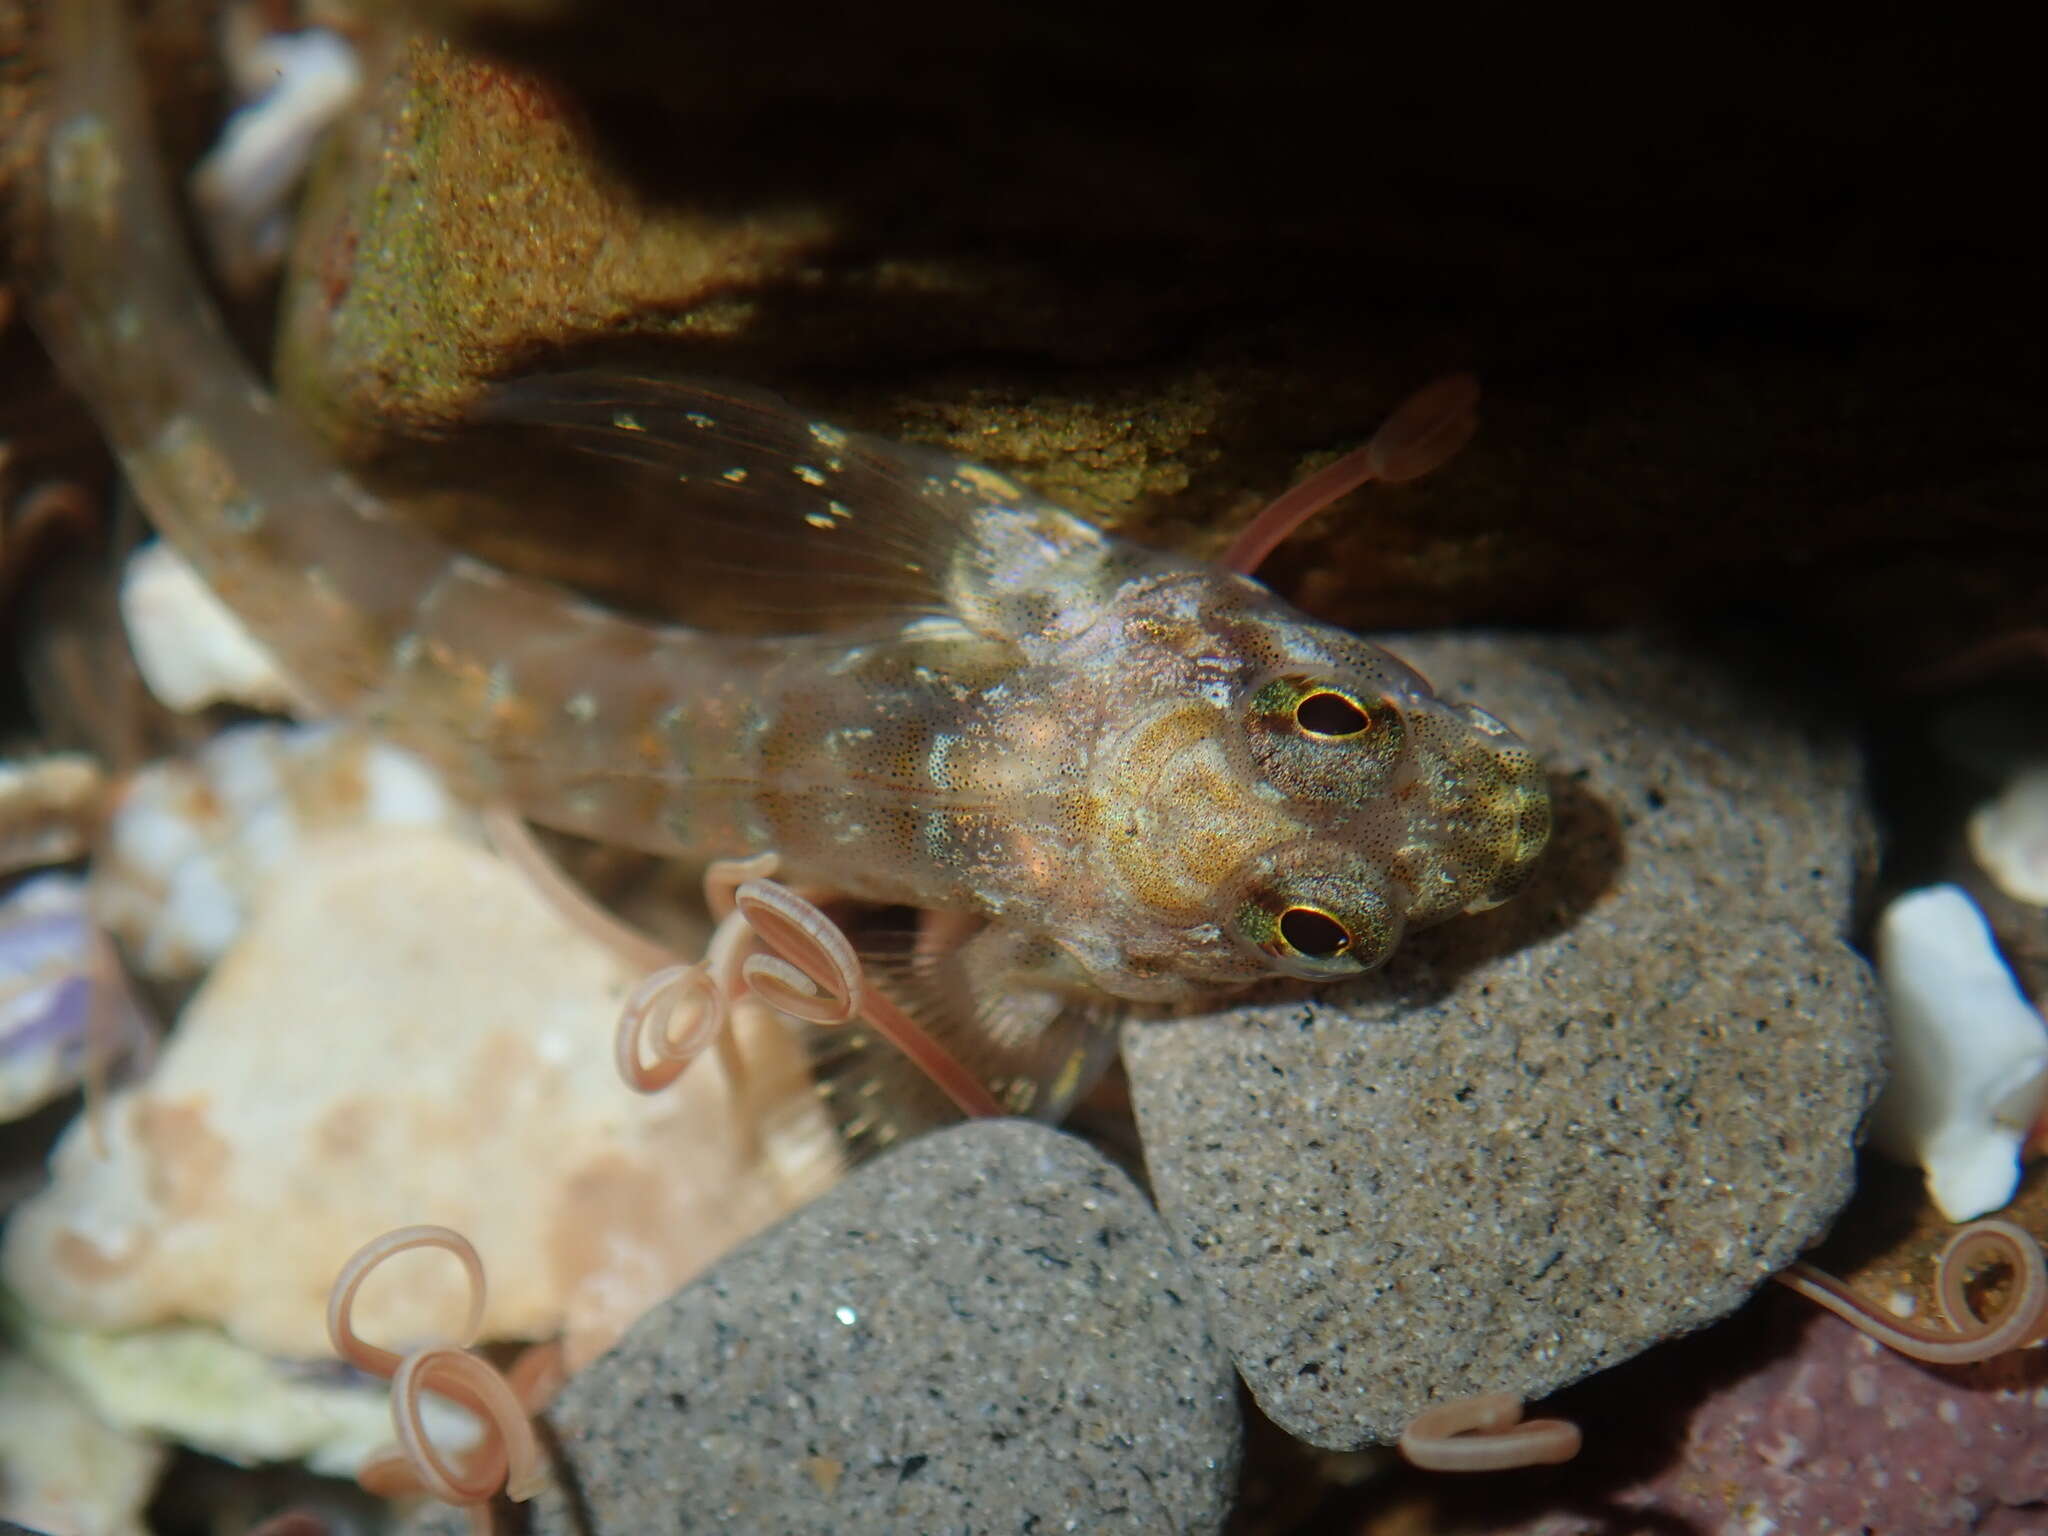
column 1479, row 814
column 1510, row 801
column 1531, row 820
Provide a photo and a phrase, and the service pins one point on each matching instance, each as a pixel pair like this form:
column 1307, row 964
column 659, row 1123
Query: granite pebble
column 1547, row 1137
column 988, row 1330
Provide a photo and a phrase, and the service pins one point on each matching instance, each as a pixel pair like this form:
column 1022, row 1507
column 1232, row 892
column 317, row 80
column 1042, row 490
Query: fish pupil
column 1330, row 714
column 1314, row 934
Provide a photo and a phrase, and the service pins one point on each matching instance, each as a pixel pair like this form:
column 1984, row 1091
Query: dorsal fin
column 806, row 527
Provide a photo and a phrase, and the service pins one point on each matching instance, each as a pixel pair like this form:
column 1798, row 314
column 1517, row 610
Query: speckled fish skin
column 1154, row 778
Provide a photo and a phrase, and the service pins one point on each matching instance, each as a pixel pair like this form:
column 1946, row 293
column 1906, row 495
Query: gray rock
column 986, row 1331
column 1546, row 1137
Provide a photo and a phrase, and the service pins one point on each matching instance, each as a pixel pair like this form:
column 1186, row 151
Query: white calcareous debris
column 405, row 1032
column 1969, row 1052
column 48, row 808
column 2009, row 837
column 200, row 1388
column 62, row 1469
column 296, row 85
column 191, row 650
column 192, row 842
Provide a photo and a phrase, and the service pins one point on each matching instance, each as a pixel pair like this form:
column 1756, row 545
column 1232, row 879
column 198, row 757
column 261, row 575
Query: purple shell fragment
column 56, row 972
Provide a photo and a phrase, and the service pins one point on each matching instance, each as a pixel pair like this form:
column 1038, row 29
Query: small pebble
column 2009, row 836
column 985, row 1331
column 1544, row 1138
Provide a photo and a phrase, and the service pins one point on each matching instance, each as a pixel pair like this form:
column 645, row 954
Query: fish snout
column 1484, row 813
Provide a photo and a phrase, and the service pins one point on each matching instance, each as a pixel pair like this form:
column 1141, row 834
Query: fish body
column 1144, row 778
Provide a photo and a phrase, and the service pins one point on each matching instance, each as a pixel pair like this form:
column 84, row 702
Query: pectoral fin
column 1001, row 1007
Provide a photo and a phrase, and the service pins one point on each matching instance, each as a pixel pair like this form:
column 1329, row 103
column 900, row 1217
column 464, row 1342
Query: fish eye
column 1314, row 933
column 1315, row 737
column 1331, row 714
column 1314, row 919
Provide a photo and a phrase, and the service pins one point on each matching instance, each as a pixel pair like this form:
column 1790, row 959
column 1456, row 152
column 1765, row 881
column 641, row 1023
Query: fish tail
column 300, row 550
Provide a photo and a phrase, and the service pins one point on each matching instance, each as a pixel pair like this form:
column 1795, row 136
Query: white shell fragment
column 61, row 1468
column 1969, row 1052
column 2009, row 837
column 59, row 981
column 192, row 842
column 200, row 1388
column 48, row 806
column 297, row 84
column 190, row 649
column 407, row 1033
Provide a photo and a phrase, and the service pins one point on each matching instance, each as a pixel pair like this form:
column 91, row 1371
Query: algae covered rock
column 1161, row 275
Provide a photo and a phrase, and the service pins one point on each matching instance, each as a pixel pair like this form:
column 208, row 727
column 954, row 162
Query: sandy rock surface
column 1547, row 1137
column 989, row 1330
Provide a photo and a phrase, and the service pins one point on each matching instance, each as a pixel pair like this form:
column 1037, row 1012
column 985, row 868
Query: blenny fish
column 1136, row 779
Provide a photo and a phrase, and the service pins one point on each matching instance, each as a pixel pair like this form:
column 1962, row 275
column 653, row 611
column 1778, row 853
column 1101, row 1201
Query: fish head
column 1410, row 810
column 1297, row 799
